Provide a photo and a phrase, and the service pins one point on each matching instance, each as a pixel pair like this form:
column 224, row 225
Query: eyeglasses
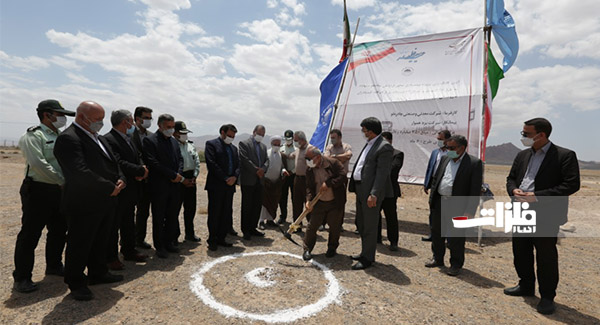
column 525, row 134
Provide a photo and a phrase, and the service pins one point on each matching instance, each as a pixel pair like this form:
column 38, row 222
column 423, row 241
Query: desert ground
column 271, row 284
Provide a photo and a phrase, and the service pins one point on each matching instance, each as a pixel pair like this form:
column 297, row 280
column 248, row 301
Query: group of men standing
column 87, row 189
column 92, row 185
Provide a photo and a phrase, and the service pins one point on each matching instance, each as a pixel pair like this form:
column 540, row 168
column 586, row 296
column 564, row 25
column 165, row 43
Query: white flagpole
column 337, row 100
column 485, row 95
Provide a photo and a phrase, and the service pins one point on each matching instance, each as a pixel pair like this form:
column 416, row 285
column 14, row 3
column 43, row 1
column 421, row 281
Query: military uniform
column 191, row 169
column 40, row 199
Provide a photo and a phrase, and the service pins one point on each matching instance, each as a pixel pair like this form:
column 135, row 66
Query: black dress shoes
column 224, row 244
column 355, row 257
column 135, row 257
column 257, row 233
column 433, row 263
column 306, row 256
column 546, row 306
column 162, row 253
column 428, row 238
column 106, row 278
column 361, row 265
column 262, row 225
column 25, row 286
column 330, row 253
column 171, row 248
column 519, row 291
column 394, row 247
column 143, row 244
column 453, row 271
column 271, row 223
column 82, row 294
column 232, row 232
column 59, row 270
column 192, row 238
column 247, row 237
column 212, row 247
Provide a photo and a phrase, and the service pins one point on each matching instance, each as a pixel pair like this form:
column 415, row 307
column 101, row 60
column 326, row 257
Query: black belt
column 357, row 182
column 188, row 174
column 30, row 181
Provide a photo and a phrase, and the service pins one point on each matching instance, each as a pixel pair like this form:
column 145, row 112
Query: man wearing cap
column 143, row 121
column 253, row 164
column 191, row 169
column 287, row 154
column 120, row 142
column 93, row 179
column 163, row 158
column 40, row 197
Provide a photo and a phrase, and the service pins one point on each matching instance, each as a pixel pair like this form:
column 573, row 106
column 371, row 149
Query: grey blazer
column 375, row 174
column 249, row 162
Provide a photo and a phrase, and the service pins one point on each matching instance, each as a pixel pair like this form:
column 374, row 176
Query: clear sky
column 210, row 62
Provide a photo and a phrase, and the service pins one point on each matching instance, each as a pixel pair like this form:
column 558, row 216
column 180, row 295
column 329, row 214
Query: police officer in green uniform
column 40, row 197
column 191, row 169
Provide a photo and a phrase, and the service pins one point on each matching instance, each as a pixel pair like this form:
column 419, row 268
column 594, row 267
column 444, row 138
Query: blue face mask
column 452, row 154
column 131, row 130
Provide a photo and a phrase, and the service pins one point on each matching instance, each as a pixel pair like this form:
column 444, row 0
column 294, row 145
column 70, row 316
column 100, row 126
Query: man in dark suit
column 143, row 121
column 222, row 162
column 458, row 175
column 163, row 158
column 371, row 182
column 432, row 165
column 253, row 163
column 129, row 161
column 93, row 180
column 389, row 203
column 544, row 176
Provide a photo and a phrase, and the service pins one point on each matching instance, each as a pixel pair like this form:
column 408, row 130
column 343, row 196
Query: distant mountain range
column 502, row 154
column 505, row 153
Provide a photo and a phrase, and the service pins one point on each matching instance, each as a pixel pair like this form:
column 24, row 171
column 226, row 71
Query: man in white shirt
column 287, row 153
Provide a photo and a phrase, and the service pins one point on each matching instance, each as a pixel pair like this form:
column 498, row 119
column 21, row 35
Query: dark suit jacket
column 466, row 183
column 130, row 163
column 163, row 159
column 217, row 163
column 249, row 161
column 375, row 174
column 397, row 162
column 336, row 181
column 430, row 166
column 558, row 176
column 90, row 175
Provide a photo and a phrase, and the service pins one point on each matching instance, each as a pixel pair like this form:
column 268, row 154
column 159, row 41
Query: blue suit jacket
column 217, row 163
column 430, row 166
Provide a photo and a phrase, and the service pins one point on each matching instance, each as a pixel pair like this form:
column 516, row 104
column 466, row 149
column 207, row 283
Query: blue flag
column 329, row 90
column 503, row 27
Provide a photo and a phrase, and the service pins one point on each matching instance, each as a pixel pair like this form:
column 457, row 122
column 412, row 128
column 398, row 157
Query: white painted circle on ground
column 280, row 316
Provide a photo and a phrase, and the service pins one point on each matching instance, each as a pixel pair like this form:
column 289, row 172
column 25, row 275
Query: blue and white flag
column 329, row 91
column 503, row 27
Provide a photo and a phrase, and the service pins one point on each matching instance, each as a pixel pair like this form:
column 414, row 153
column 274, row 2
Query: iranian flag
column 493, row 74
column 346, row 48
column 370, row 52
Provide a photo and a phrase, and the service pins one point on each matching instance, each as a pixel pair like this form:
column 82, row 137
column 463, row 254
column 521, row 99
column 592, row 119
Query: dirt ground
column 397, row 289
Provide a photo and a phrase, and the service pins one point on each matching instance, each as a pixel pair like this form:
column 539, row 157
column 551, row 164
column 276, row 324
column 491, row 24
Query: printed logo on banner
column 407, row 71
column 513, row 216
column 410, row 55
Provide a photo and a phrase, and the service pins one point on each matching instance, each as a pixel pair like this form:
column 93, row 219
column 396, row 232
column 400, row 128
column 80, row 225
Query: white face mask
column 275, row 148
column 146, row 123
column 440, row 143
column 95, row 127
column 366, row 137
column 228, row 140
column 60, row 122
column 289, row 142
column 258, row 138
column 168, row 132
column 334, row 141
column 183, row 138
column 527, row 142
column 310, row 163
column 296, row 144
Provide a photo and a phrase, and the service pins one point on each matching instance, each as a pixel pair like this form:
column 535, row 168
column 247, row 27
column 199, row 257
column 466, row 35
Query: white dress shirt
column 93, row 136
column 361, row 160
column 447, row 181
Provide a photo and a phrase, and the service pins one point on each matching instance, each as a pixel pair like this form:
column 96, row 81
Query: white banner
column 416, row 86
